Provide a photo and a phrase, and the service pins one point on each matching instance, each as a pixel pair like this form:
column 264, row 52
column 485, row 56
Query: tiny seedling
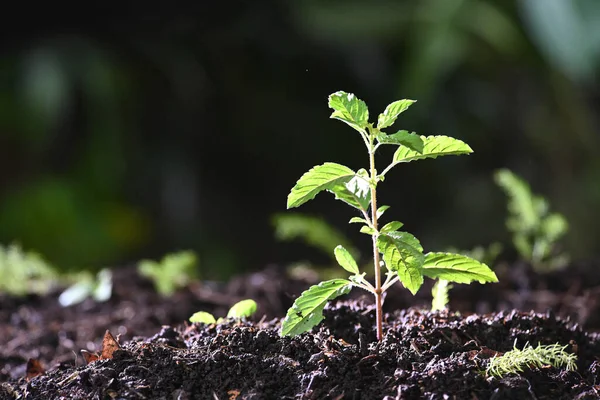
column 514, row 361
column 535, row 229
column 242, row 309
column 402, row 253
column 174, row 271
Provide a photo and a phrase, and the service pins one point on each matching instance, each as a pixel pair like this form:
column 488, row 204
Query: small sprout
column 536, row 231
column 440, row 295
column 239, row 310
column 515, row 361
column 174, row 271
column 98, row 287
column 400, row 253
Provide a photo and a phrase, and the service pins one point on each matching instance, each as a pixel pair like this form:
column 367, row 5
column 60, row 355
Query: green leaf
column 355, row 220
column 319, row 178
column 356, row 192
column 403, row 253
column 367, row 230
column 307, row 310
column 315, row 231
column 203, row 317
column 391, row 226
column 392, row 111
column 456, row 268
column 381, row 210
column 403, row 138
column 433, row 147
column 349, row 109
column 242, row 309
column 345, row 259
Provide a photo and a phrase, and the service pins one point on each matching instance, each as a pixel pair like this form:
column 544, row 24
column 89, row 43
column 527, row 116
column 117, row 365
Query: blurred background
column 130, row 134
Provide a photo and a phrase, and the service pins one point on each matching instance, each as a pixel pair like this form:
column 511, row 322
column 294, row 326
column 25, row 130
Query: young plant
column 242, row 309
column 175, row 270
column 514, row 361
column 535, row 229
column 402, row 253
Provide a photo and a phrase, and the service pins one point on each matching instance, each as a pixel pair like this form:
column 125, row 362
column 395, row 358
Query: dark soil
column 423, row 355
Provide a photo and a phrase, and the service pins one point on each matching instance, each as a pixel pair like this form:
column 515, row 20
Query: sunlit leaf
column 433, row 147
column 203, row 317
column 317, row 179
column 349, row 109
column 403, row 138
column 456, row 268
column 388, row 117
column 403, row 253
column 242, row 309
column 356, row 192
column 307, row 310
column 381, row 210
column 345, row 259
column 355, row 220
column 391, row 226
column 367, row 230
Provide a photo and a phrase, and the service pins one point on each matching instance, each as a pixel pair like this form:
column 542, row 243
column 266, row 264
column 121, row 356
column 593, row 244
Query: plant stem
column 377, row 268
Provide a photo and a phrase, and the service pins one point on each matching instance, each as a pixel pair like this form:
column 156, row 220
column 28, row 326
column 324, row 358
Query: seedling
column 535, row 229
column 402, row 253
column 174, row 271
column 514, row 361
column 242, row 309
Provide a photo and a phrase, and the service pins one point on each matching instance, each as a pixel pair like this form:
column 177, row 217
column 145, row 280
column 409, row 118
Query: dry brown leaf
column 89, row 357
column 109, row 345
column 233, row 394
column 34, row 368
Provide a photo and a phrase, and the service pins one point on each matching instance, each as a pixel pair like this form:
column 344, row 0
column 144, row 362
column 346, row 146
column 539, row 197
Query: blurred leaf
column 314, row 231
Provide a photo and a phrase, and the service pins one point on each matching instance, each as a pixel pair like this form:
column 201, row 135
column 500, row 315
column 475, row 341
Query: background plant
column 174, row 271
column 535, row 229
column 399, row 252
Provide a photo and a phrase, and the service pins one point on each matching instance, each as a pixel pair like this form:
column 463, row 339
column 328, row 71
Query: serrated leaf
column 433, row 147
column 356, row 192
column 367, row 230
column 391, row 226
column 381, row 210
column 307, row 310
column 355, row 220
column 388, row 117
column 403, row 138
column 317, row 179
column 456, row 268
column 345, row 259
column 403, row 253
column 203, row 317
column 349, row 109
column 242, row 309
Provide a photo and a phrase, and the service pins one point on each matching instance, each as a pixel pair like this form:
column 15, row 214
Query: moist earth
column 423, row 355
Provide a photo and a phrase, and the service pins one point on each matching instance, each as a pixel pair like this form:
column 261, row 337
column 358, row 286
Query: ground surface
column 423, row 355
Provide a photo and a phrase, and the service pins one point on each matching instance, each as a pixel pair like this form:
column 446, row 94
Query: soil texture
column 424, row 355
